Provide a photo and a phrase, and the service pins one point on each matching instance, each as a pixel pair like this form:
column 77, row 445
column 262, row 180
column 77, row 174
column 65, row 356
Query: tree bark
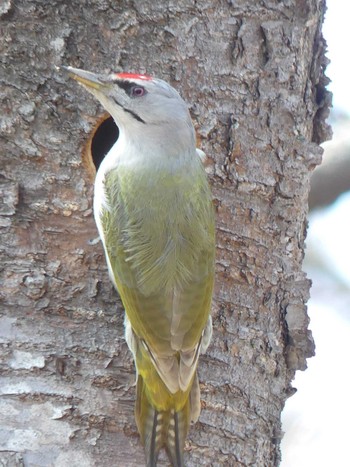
column 253, row 73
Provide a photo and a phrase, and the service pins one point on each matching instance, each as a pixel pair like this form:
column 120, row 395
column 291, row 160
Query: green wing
column 160, row 247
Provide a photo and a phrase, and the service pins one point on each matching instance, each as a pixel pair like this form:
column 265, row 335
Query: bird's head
column 134, row 99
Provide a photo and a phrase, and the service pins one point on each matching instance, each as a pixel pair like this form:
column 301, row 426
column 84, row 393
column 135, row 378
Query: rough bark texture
column 253, row 73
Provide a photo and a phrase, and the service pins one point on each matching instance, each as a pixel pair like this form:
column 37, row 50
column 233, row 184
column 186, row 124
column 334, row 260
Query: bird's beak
column 86, row 78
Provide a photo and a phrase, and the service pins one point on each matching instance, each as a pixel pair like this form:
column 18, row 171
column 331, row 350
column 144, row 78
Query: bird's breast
column 162, row 222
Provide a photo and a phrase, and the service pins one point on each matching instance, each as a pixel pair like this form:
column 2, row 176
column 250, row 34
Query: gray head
column 136, row 100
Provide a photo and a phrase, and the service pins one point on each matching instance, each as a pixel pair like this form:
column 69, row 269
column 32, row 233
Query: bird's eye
column 138, row 91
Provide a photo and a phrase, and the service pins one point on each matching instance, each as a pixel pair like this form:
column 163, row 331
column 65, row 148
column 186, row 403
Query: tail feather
column 195, row 399
column 177, row 432
column 152, row 442
column 147, row 419
column 160, row 429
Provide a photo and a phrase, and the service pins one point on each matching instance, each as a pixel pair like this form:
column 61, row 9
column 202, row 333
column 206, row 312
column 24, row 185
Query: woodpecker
column 154, row 213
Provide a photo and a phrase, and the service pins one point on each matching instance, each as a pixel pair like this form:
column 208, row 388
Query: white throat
column 147, row 153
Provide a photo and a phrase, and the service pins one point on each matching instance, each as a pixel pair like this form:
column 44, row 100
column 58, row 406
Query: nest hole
column 103, row 136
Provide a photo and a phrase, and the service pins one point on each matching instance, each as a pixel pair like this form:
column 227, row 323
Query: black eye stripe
column 127, row 86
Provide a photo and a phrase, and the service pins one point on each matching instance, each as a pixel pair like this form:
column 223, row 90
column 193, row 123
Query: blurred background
column 316, row 419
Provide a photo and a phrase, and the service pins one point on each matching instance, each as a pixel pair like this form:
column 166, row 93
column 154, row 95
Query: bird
column 154, row 212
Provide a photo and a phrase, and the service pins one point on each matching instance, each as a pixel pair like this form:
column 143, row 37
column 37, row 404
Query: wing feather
column 161, row 256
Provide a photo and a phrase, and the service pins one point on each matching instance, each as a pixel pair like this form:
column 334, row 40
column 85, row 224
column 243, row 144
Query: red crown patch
column 133, row 76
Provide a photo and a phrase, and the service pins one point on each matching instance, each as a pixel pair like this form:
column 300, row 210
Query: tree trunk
column 253, row 73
